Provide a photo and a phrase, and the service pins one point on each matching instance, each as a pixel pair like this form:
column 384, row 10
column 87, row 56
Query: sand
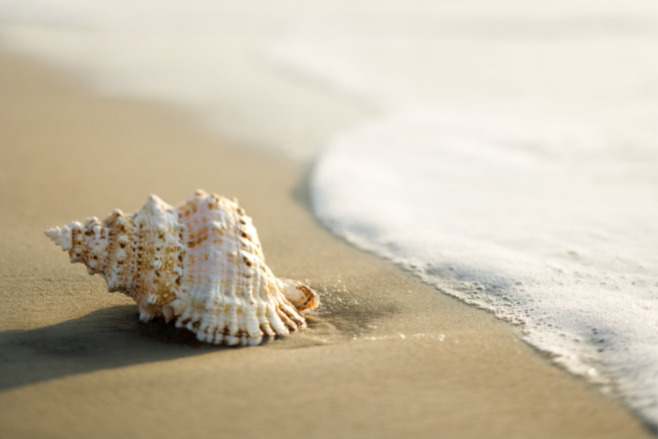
column 384, row 356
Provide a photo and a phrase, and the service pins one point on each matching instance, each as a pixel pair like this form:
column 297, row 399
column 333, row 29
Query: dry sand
column 384, row 356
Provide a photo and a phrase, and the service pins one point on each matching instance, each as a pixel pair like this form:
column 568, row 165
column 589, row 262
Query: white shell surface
column 199, row 265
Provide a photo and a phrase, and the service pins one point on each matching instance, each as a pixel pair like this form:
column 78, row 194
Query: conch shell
column 199, row 265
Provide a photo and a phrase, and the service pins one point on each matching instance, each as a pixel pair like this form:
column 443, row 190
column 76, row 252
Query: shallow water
column 511, row 158
column 515, row 166
column 560, row 242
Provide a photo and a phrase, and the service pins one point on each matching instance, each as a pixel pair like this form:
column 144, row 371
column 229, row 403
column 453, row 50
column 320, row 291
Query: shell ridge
column 206, row 292
column 157, row 249
column 113, row 268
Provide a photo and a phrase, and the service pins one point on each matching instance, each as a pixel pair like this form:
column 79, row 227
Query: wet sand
column 384, row 355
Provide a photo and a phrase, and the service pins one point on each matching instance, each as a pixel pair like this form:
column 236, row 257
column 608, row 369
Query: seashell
column 199, row 265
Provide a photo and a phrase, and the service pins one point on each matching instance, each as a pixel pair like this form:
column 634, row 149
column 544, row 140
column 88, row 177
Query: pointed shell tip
column 60, row 236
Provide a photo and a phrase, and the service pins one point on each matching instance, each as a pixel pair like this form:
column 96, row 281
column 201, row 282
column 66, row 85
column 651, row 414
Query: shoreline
column 384, row 355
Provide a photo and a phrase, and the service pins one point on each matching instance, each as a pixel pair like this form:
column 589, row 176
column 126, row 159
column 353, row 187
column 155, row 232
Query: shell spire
column 199, row 265
column 60, row 236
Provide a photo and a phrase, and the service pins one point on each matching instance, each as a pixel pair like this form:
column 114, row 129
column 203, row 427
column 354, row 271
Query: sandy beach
column 384, row 355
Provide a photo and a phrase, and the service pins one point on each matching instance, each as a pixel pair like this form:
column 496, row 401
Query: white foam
column 517, row 172
column 554, row 231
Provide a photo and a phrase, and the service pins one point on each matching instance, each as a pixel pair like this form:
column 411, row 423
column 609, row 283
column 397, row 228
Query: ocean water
column 509, row 156
column 513, row 164
column 553, row 231
column 514, row 167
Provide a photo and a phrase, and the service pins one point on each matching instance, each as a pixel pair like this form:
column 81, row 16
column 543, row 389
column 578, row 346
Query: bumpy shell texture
column 199, row 265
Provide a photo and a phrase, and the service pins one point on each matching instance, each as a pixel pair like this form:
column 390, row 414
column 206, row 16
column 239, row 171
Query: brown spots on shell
column 195, row 241
column 307, row 303
column 90, row 225
column 110, row 221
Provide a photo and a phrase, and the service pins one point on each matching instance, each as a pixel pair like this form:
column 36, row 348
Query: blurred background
column 301, row 70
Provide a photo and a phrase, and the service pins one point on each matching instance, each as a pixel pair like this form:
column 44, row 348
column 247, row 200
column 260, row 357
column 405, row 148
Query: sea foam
column 554, row 231
column 515, row 168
